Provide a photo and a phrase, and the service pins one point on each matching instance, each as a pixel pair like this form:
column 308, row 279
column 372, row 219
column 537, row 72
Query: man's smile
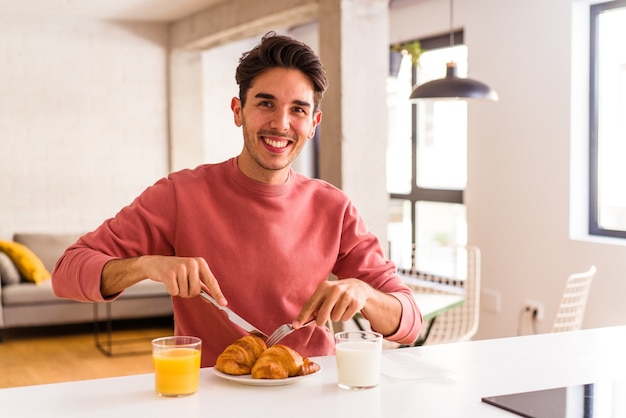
column 275, row 143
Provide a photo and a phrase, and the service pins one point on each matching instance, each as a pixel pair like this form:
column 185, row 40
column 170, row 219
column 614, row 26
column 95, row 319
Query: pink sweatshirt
column 269, row 247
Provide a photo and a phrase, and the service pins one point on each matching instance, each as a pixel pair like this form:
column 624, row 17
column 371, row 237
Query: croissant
column 277, row 362
column 308, row 367
column 238, row 358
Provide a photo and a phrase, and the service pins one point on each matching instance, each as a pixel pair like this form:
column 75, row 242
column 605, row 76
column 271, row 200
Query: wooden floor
column 59, row 354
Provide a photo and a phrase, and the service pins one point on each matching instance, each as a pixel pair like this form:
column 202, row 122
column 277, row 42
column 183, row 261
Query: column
column 354, row 46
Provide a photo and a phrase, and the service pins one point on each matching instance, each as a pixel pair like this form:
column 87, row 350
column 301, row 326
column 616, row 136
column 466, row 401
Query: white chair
column 571, row 311
column 460, row 323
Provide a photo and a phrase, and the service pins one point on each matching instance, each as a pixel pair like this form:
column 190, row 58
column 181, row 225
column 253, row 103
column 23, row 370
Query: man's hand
column 340, row 300
column 182, row 276
column 337, row 300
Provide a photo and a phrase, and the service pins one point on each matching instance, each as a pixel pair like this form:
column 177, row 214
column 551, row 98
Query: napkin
column 401, row 364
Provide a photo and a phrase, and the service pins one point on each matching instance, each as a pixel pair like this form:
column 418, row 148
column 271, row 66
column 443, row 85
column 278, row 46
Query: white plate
column 247, row 379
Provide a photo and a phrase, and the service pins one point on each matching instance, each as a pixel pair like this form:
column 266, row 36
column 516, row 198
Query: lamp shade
column 453, row 87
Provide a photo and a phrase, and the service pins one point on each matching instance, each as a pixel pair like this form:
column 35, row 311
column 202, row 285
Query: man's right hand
column 182, row 276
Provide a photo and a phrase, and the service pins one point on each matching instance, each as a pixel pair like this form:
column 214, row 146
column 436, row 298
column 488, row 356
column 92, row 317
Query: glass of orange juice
column 176, row 365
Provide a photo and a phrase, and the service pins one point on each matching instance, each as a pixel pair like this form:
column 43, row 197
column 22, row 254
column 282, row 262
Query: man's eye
column 265, row 104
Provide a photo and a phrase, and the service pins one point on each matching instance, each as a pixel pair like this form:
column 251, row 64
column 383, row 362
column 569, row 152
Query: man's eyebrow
column 269, row 96
column 302, row 103
column 265, row 96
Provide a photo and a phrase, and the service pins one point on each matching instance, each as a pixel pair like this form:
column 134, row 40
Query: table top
column 447, row 380
column 433, row 304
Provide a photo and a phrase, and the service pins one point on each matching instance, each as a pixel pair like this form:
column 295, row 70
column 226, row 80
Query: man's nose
column 280, row 120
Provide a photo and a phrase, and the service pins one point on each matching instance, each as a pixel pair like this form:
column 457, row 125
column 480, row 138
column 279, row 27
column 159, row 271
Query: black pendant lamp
column 452, row 86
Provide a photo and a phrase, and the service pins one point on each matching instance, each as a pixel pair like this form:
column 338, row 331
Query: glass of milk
column 358, row 359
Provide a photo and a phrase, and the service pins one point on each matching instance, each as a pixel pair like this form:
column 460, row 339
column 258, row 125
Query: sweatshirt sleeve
column 144, row 227
column 411, row 322
column 77, row 273
column 361, row 256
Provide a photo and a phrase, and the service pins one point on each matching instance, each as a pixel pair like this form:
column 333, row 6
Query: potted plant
column 399, row 50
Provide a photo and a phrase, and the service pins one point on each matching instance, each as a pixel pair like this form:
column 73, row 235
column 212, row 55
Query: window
column 607, row 168
column 427, row 164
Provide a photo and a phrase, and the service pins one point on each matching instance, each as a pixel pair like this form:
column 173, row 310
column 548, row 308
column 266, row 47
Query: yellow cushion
column 29, row 265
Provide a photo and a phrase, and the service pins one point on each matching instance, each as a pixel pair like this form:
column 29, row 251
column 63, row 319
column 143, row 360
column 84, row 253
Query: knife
column 234, row 318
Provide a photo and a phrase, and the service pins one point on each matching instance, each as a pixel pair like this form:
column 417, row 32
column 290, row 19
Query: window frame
column 420, row 194
column 594, row 224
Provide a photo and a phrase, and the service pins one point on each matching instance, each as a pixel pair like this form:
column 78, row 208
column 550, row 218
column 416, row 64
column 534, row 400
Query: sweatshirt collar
column 258, row 187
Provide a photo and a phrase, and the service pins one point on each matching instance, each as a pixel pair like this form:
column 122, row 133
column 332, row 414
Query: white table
column 433, row 304
column 430, row 305
column 477, row 369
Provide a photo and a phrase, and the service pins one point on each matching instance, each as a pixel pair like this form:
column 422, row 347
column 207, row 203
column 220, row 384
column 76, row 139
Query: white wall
column 83, row 125
column 223, row 139
column 520, row 164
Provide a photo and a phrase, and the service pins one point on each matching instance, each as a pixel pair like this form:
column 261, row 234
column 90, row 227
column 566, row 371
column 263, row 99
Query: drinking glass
column 358, row 359
column 176, row 365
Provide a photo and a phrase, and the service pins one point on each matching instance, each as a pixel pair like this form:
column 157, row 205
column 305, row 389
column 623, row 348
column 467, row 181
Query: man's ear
column 235, row 106
column 317, row 119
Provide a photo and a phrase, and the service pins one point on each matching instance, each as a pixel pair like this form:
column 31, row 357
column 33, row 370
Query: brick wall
column 83, row 120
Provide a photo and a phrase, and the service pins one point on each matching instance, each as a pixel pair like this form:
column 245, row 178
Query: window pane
column 399, row 146
column 442, row 126
column 399, row 233
column 441, row 228
column 611, row 121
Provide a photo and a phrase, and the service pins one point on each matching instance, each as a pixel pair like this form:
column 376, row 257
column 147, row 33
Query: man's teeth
column 276, row 143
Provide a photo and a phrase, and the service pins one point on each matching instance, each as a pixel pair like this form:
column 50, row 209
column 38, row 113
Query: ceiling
column 143, row 10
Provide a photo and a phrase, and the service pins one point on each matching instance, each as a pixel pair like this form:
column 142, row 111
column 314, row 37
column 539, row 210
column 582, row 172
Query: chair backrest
column 460, row 323
column 571, row 311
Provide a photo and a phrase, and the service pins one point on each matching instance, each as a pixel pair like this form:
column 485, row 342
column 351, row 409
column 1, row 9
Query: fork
column 282, row 331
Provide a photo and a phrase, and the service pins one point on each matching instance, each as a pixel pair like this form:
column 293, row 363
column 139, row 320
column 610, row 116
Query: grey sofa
column 25, row 304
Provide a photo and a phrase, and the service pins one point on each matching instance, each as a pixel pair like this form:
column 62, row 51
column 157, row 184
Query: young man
column 252, row 232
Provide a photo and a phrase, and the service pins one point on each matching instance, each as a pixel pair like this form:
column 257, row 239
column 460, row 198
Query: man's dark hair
column 281, row 51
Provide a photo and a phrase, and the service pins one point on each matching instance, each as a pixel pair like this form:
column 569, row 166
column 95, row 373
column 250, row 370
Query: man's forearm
column 120, row 274
column 384, row 312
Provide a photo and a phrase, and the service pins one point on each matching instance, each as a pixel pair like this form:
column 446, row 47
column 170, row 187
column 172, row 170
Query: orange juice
column 176, row 371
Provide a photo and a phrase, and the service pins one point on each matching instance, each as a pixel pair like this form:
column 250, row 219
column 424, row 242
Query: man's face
column 277, row 120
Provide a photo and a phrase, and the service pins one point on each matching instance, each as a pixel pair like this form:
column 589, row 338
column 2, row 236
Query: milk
column 358, row 364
